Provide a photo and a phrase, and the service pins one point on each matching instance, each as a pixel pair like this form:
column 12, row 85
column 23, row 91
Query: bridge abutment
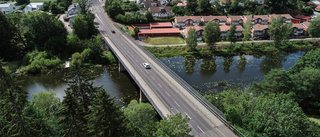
column 121, row 67
column 142, row 98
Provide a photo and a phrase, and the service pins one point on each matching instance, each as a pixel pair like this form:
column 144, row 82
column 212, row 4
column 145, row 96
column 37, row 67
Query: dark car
column 113, row 31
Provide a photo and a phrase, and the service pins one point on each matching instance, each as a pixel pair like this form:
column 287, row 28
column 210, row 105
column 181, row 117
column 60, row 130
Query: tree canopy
column 314, row 27
column 231, row 34
column 279, row 31
column 212, row 33
column 191, row 39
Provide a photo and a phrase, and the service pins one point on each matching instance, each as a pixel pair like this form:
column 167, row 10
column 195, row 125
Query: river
column 207, row 74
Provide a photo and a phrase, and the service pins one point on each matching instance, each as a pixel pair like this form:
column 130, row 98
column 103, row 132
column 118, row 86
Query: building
column 158, row 32
column 303, row 18
column 163, row 2
column 260, row 31
column 6, row 8
column 317, row 8
column 239, row 32
column 33, row 7
column 159, row 25
column 199, row 31
column 234, row 20
column 183, row 21
column 182, row 4
column 287, row 17
column 224, row 30
column 148, row 4
column 222, row 20
column 73, row 9
column 256, row 19
column 299, row 30
column 161, row 12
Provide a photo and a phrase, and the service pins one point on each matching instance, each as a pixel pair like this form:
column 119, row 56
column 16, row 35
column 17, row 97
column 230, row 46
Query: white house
column 6, row 8
column 33, row 7
column 73, row 9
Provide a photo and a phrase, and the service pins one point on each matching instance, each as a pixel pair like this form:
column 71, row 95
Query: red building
column 158, row 32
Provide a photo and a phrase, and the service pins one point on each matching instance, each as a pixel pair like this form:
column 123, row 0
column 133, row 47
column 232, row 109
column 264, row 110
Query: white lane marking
column 177, row 103
column 168, row 94
column 153, row 78
column 98, row 17
column 159, row 85
column 187, row 115
column 200, row 129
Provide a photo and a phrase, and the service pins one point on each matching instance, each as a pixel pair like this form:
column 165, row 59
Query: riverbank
column 227, row 49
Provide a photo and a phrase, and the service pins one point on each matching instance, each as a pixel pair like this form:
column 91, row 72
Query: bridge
column 167, row 92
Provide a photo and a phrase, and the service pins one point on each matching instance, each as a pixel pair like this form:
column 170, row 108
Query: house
column 158, row 32
column 222, row 20
column 148, row 4
column 6, row 8
column 256, row 19
column 299, row 30
column 259, row 31
column 159, row 25
column 199, row 31
column 73, row 9
column 163, row 2
column 287, row 17
column 182, row 21
column 311, row 4
column 303, row 18
column 234, row 20
column 161, row 12
column 33, row 7
column 224, row 30
column 239, row 32
column 317, row 8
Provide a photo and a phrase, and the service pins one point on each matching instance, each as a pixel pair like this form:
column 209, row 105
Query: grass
column 121, row 28
column 164, row 40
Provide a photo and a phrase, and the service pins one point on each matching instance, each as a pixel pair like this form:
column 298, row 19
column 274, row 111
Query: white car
column 146, row 65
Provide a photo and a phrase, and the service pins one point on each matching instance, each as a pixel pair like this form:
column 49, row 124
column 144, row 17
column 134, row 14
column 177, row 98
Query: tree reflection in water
column 272, row 60
column 190, row 62
column 242, row 62
column 227, row 63
column 208, row 66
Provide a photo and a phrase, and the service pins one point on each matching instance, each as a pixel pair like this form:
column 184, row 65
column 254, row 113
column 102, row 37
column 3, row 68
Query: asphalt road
column 201, row 126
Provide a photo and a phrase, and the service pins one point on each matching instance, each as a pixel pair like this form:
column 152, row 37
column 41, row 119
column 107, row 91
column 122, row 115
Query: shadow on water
column 214, row 74
column 118, row 84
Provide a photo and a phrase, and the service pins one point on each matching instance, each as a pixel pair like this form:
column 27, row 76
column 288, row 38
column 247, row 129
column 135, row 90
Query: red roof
column 302, row 17
column 161, row 24
column 159, row 31
column 318, row 8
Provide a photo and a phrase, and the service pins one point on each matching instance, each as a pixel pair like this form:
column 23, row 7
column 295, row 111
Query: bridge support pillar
column 121, row 67
column 143, row 98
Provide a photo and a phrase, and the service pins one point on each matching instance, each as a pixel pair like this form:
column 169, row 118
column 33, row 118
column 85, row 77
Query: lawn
column 165, row 40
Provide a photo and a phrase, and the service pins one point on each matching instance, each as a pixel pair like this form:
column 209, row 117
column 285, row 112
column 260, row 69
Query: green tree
column 218, row 9
column 134, row 6
column 204, row 7
column 76, row 60
column 307, row 10
column 191, row 7
column 212, row 33
column 142, row 116
column 276, row 81
column 106, row 119
column 178, row 10
column 136, row 30
column 80, row 27
column 314, row 27
column 84, row 6
column 115, row 8
column 21, row 2
column 310, row 60
column 277, row 112
column 279, row 31
column 7, row 49
column 247, row 31
column 173, row 126
column 231, row 34
column 191, row 39
column 149, row 16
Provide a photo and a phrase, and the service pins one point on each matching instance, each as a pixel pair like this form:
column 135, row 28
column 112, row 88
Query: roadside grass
column 130, row 31
column 165, row 40
column 121, row 28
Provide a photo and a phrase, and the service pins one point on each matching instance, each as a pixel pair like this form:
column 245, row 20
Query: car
column 113, row 31
column 146, row 65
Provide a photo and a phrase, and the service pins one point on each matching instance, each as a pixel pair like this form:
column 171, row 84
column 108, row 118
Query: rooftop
column 159, row 31
column 5, row 5
column 302, row 17
column 252, row 17
column 210, row 18
column 260, row 27
column 161, row 24
column 183, row 18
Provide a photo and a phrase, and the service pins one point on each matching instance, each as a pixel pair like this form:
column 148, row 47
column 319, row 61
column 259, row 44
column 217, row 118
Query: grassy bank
column 247, row 48
column 164, row 40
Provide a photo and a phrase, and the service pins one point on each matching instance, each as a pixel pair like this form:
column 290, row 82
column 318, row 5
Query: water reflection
column 217, row 73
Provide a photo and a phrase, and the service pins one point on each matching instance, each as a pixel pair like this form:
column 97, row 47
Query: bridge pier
column 121, row 67
column 142, row 98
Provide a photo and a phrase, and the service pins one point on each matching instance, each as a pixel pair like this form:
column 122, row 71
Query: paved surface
column 164, row 93
column 66, row 23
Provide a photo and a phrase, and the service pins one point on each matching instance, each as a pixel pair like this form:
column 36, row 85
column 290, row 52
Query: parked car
column 113, row 31
column 146, row 65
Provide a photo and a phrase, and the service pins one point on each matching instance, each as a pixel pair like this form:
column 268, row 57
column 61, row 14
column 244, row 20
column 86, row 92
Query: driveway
column 66, row 23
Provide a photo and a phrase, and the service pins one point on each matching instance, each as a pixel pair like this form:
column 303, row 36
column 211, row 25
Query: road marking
column 168, row 94
column 159, row 85
column 187, row 115
column 98, row 17
column 153, row 78
column 200, row 129
column 177, row 103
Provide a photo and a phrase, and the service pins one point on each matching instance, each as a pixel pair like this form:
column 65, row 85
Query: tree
column 106, row 119
column 314, row 27
column 134, row 6
column 21, row 2
column 178, row 10
column 279, row 115
column 310, row 60
column 231, row 34
column 141, row 116
column 191, row 39
column 149, row 16
column 173, row 126
column 84, row 6
column 212, row 33
column 136, row 30
column 247, row 31
column 76, row 60
column 191, row 7
column 279, row 31
column 276, row 81
column 7, row 49
column 218, row 9
column 204, row 7
column 115, row 8
column 307, row 10
column 80, row 27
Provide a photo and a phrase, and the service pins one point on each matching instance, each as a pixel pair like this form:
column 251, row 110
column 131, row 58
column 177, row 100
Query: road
column 203, row 123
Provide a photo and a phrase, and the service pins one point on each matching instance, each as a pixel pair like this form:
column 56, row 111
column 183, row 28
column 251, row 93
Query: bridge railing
column 138, row 83
column 214, row 110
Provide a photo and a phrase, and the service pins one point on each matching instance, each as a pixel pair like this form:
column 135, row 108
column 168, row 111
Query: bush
column 40, row 62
